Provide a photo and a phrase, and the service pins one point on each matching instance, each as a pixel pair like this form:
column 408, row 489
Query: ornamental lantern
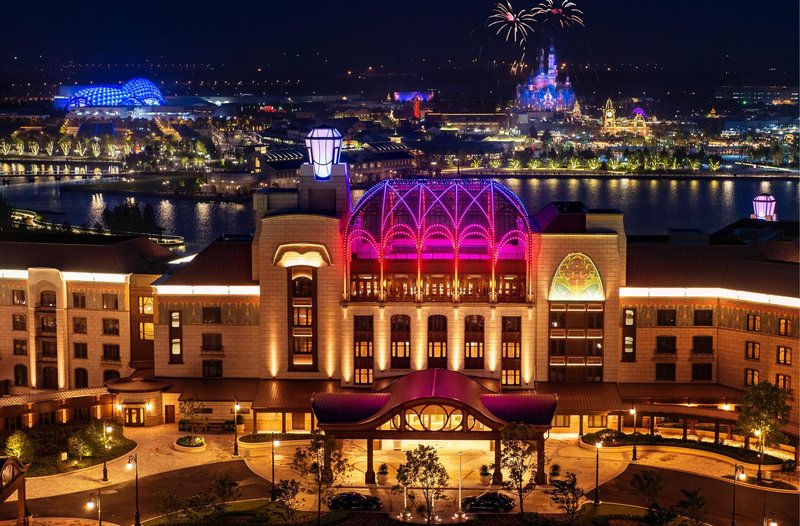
column 324, row 148
column 764, row 207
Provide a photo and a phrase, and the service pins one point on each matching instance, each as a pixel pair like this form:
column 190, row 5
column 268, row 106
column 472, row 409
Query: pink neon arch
column 398, row 213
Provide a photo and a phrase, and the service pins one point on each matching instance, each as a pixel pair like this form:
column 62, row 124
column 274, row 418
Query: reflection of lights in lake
column 727, row 195
column 165, row 216
column 203, row 221
column 765, row 187
column 96, row 209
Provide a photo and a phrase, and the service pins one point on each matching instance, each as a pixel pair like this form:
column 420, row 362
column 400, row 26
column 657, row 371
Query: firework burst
column 565, row 12
column 515, row 25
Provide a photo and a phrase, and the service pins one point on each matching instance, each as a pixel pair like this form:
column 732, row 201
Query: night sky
column 244, row 34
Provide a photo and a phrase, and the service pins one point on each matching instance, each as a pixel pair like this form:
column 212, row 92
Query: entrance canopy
column 430, row 401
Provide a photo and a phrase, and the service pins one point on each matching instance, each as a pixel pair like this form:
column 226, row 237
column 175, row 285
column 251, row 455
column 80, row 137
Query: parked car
column 488, row 501
column 353, row 501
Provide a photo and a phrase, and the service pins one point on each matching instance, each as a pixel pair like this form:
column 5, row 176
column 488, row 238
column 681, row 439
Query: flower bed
column 190, row 444
column 612, row 438
column 260, row 438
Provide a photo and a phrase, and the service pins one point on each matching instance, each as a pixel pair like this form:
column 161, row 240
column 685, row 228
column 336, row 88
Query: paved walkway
column 59, row 521
column 154, row 447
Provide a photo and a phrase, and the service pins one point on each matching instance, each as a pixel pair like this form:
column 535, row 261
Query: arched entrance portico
column 433, row 404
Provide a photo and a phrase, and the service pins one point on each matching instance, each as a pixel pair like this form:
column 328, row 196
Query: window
column 110, row 302
column 175, row 347
column 557, row 374
column 666, row 344
column 79, row 300
column 111, row 352
column 437, row 342
column 784, row 327
column 47, row 298
column 80, row 350
column 145, row 305
column 146, row 330
column 630, row 317
column 401, row 341
column 79, row 325
column 561, row 421
column 47, row 418
column 629, row 335
column 12, row 423
column 511, row 350
column 702, row 344
column 666, row 317
column 784, row 355
column 18, row 297
column 110, row 374
column 303, row 316
column 473, row 342
column 19, row 322
column 110, row 327
column 598, row 421
column 20, row 375
column 212, row 342
column 665, row 372
column 558, row 347
column 362, row 349
column 362, row 376
column 702, row 372
column 175, row 319
column 752, row 350
column 704, row 317
column 783, row 380
column 212, row 368
column 754, row 323
column 750, row 376
column 303, row 347
column 212, row 315
column 21, row 347
column 81, row 378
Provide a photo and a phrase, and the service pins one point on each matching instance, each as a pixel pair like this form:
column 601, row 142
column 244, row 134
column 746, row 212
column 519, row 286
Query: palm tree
column 19, row 146
column 553, row 163
column 33, row 146
column 514, row 164
column 534, row 164
column 614, row 164
column 694, row 165
column 65, row 144
column 95, row 144
column 713, row 165
column 111, row 149
column 593, row 164
column 5, row 147
column 574, row 163
column 49, row 146
column 80, row 148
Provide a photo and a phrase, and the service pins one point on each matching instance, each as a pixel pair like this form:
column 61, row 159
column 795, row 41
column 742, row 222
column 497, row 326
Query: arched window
column 47, row 298
column 81, row 378
column 437, row 342
column 401, row 341
column 110, row 374
column 20, row 375
column 473, row 342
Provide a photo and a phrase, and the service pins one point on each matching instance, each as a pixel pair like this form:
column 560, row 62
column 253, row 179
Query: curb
column 75, row 471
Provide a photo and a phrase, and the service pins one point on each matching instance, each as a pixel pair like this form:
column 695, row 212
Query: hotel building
column 435, row 306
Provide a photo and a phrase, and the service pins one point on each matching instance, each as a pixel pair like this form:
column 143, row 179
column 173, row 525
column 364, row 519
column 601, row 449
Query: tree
column 19, row 445
column 765, row 409
column 191, row 410
column 324, row 463
column 692, row 506
column 648, row 484
column 170, row 505
column 286, row 493
column 224, row 489
column 567, row 496
column 78, row 446
column 424, row 471
column 517, row 459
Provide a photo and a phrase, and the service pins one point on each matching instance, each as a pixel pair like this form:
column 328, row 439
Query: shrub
column 789, row 465
column 78, row 446
column 190, row 441
column 485, row 471
column 224, row 490
column 21, row 446
column 383, row 469
column 183, row 425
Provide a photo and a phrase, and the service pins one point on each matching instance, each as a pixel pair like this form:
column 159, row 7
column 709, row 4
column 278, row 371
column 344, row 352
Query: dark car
column 354, row 501
column 489, row 501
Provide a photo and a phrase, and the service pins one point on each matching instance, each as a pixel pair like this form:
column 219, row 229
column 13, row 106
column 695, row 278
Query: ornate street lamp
column 107, row 429
column 632, row 411
column 738, row 473
column 236, row 408
column 459, row 515
column 96, row 502
column 597, row 446
column 764, row 207
column 760, row 436
column 769, row 520
column 324, row 147
column 275, row 442
column 133, row 463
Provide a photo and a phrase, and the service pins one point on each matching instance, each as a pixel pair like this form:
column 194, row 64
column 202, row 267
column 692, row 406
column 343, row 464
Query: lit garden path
column 154, row 447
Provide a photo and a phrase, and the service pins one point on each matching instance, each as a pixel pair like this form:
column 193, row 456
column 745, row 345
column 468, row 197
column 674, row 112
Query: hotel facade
column 428, row 307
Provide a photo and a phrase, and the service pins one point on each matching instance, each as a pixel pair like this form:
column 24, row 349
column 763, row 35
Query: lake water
column 650, row 205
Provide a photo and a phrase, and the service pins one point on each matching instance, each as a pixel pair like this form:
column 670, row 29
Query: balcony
column 46, row 331
column 45, row 307
column 48, row 357
column 209, row 349
column 702, row 354
column 111, row 359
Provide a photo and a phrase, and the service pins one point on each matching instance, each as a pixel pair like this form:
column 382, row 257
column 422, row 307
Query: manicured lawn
column 261, row 512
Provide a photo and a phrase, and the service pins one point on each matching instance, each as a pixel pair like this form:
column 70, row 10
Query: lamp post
column 275, row 442
column 236, row 408
column 738, row 473
column 107, row 429
column 95, row 501
column 459, row 516
column 760, row 436
column 769, row 520
column 633, row 413
column 133, row 463
column 597, row 446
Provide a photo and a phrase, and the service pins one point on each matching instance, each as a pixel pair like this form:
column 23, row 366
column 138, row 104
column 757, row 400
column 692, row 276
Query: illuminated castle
column 544, row 92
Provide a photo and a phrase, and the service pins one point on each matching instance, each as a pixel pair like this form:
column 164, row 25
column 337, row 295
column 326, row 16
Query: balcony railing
column 45, row 307
column 47, row 357
column 211, row 349
column 46, row 331
column 110, row 359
